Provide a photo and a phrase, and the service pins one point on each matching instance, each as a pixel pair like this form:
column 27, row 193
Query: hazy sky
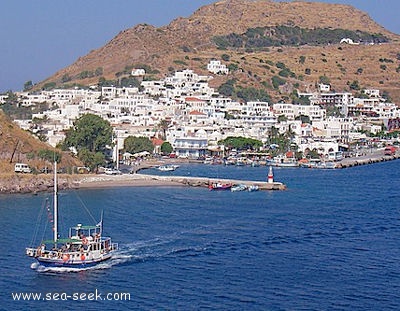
column 39, row 38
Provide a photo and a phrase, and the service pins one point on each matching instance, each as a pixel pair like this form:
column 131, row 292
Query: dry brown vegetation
column 186, row 43
column 16, row 145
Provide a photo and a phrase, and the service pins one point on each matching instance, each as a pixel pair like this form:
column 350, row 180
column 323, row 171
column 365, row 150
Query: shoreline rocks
column 34, row 183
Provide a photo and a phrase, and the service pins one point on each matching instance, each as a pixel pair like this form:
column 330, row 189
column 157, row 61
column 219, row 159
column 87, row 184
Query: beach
column 136, row 180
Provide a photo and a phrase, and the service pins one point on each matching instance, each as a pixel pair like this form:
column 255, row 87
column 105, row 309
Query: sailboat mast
column 55, row 204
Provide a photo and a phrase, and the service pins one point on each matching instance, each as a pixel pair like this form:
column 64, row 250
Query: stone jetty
column 205, row 182
column 366, row 159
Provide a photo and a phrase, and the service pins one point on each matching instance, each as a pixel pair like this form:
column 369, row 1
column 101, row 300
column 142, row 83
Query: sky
column 38, row 38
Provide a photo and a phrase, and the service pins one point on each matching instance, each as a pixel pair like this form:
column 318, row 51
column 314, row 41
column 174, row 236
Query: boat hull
column 220, row 187
column 74, row 264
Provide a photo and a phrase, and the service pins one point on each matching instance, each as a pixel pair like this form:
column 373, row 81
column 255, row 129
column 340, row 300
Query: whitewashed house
column 216, row 67
column 138, row 72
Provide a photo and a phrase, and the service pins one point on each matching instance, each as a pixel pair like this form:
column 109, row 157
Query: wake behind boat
column 84, row 247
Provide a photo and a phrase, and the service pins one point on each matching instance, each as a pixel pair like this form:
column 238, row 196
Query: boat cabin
column 80, row 232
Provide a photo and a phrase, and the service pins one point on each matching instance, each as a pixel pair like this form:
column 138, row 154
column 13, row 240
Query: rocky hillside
column 17, row 145
column 190, row 43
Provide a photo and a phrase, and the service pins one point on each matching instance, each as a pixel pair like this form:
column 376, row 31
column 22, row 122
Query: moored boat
column 239, row 187
column 283, row 161
column 219, row 186
column 168, row 167
column 253, row 188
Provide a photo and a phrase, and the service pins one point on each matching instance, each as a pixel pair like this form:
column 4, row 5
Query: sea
column 331, row 241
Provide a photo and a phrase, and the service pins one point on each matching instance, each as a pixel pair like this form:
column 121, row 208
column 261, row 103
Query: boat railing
column 38, row 252
column 31, row 252
column 114, row 246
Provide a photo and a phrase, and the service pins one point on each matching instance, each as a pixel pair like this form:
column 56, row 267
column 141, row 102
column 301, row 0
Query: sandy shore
column 133, row 180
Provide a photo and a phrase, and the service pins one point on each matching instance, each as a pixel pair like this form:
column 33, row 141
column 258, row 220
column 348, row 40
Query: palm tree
column 163, row 125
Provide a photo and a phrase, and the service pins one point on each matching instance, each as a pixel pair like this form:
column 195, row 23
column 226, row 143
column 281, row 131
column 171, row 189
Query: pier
column 204, row 182
column 366, row 159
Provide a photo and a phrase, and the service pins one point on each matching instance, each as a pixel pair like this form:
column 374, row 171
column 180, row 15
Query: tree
column 233, row 67
column 98, row 71
column 91, row 132
column 303, row 118
column 166, row 148
column 163, row 126
column 240, row 143
column 134, row 144
column 49, row 156
column 354, row 85
column 28, row 85
column 66, row 78
column 227, row 88
column 91, row 159
column 324, row 80
column 277, row 81
column 282, row 118
column 225, row 57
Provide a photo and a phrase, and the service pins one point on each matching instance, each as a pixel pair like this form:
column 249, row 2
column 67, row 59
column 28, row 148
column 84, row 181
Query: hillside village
column 198, row 117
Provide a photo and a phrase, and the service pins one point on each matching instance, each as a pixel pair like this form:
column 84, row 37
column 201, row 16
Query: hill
column 191, row 43
column 17, row 145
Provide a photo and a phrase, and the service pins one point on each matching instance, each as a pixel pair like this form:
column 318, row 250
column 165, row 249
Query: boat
column 219, row 186
column 168, row 167
column 327, row 165
column 84, row 247
column 317, row 163
column 239, row 187
column 283, row 161
column 253, row 188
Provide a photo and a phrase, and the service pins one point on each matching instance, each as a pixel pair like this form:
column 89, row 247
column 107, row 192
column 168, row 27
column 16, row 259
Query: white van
column 22, row 168
column 335, row 156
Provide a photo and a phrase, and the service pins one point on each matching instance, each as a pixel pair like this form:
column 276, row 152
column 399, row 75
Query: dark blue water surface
column 329, row 242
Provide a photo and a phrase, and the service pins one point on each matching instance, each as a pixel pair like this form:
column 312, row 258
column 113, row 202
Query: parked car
column 82, row 170
column 390, row 150
column 112, row 171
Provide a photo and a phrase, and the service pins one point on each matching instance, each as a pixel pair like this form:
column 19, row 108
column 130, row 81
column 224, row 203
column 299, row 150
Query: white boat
column 84, row 247
column 168, row 167
column 239, row 187
column 283, row 161
column 317, row 163
column 253, row 188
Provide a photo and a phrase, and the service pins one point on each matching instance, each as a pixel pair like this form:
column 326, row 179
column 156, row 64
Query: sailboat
column 84, row 247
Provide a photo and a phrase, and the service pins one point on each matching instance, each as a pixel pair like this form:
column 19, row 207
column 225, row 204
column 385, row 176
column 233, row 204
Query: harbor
column 30, row 183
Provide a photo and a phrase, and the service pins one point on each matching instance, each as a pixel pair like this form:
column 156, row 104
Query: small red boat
column 219, row 186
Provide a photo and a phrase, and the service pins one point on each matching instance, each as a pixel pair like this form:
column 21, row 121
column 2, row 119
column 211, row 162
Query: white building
column 138, row 72
column 216, row 67
column 284, row 109
column 324, row 87
column 314, row 112
column 334, row 128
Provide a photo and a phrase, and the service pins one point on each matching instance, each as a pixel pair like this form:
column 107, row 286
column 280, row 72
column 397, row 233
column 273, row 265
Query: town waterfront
column 329, row 242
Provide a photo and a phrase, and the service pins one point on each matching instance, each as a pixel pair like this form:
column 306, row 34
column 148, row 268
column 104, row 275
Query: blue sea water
column 329, row 242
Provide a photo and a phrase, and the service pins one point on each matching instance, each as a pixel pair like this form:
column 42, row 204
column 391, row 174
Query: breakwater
column 205, row 182
column 366, row 159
